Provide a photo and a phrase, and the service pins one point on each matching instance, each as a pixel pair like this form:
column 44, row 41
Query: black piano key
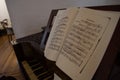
column 39, row 71
column 46, row 76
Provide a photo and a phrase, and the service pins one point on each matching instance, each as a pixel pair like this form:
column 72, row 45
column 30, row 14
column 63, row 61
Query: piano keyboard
column 37, row 71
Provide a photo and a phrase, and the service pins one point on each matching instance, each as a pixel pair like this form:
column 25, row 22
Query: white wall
column 28, row 16
column 3, row 11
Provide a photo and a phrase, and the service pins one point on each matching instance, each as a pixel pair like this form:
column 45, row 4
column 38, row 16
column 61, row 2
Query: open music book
column 79, row 39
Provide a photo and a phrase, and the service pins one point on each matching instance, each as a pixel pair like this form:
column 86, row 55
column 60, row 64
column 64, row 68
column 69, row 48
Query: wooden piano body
column 105, row 69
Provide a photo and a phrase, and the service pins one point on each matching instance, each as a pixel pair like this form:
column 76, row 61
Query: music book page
column 58, row 32
column 86, row 42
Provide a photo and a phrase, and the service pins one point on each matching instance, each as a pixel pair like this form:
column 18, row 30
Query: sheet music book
column 79, row 39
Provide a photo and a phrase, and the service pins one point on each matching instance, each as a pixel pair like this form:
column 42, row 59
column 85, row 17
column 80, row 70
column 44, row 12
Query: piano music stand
column 105, row 67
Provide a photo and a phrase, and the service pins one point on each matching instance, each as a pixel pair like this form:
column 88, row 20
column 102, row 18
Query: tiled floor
column 8, row 62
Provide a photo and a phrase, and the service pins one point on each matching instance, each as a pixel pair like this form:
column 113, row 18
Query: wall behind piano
column 28, row 16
